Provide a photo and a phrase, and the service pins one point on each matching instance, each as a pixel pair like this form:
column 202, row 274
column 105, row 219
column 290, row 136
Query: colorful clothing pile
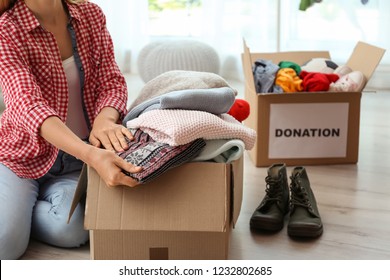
column 315, row 75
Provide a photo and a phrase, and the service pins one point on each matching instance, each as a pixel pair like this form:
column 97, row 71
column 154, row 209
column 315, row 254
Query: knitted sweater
column 179, row 80
column 179, row 127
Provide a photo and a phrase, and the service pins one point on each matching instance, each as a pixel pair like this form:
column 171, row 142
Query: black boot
column 305, row 220
column 269, row 215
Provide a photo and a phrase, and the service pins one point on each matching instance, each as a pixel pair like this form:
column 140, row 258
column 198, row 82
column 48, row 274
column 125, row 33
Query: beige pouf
column 162, row 56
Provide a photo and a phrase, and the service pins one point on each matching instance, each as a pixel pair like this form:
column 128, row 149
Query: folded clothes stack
column 184, row 114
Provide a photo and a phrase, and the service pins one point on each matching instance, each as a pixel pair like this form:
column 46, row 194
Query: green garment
column 289, row 64
column 307, row 4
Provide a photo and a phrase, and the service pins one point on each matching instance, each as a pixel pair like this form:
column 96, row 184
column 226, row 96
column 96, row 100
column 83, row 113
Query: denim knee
column 13, row 241
column 17, row 199
column 51, row 227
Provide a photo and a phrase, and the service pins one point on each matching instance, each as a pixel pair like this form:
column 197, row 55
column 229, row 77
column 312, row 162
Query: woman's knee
column 68, row 236
column 13, row 241
column 53, row 227
column 73, row 234
column 17, row 199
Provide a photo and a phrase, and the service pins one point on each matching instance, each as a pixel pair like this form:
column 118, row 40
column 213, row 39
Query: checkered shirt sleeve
column 34, row 84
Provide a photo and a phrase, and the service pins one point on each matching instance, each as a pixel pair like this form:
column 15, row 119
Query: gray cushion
column 186, row 54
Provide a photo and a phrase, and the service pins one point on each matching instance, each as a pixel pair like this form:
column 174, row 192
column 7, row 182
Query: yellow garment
column 288, row 80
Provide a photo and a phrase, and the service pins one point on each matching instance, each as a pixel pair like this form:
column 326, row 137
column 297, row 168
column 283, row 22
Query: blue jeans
column 40, row 208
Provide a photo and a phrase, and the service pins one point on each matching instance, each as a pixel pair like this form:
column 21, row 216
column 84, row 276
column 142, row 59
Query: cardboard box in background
column 306, row 128
column 187, row 213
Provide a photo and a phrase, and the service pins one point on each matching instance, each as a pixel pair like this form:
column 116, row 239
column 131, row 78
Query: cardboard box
column 306, row 128
column 186, row 213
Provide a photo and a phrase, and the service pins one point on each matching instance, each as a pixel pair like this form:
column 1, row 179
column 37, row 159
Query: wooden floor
column 354, row 202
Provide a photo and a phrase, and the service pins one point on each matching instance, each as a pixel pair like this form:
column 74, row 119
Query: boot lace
column 299, row 196
column 273, row 188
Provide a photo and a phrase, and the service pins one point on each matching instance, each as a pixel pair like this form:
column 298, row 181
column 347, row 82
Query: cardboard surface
column 158, row 245
column 187, row 213
column 364, row 58
column 173, row 202
column 260, row 153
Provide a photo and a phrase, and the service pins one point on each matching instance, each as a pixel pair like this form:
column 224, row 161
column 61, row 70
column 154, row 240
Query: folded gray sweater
column 179, row 80
column 213, row 100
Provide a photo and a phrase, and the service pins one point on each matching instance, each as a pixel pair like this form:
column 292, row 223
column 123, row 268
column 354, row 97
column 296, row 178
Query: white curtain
column 267, row 26
column 127, row 21
column 224, row 24
column 227, row 22
column 335, row 25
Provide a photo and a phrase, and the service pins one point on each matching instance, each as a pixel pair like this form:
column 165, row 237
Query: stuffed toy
column 342, row 70
column 319, row 64
column 240, row 110
column 353, row 81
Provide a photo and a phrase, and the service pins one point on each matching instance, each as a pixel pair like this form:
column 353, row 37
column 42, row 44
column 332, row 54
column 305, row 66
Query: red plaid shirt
column 34, row 85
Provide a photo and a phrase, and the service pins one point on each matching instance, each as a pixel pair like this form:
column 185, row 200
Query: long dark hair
column 5, row 5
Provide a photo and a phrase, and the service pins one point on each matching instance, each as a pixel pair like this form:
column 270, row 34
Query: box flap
column 80, row 190
column 247, row 66
column 365, row 58
column 237, row 185
column 191, row 197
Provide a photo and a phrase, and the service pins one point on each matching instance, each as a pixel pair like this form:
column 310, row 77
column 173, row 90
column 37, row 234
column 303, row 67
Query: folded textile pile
column 185, row 111
column 221, row 150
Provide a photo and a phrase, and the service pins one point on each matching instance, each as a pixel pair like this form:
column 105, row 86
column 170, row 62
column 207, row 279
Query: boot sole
column 305, row 232
column 266, row 225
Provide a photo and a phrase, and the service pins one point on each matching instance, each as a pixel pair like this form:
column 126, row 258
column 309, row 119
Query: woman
column 61, row 86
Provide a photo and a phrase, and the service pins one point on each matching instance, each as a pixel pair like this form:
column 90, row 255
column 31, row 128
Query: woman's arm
column 110, row 88
column 108, row 165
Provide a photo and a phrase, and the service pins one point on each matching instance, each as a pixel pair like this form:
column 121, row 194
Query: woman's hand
column 107, row 163
column 107, row 133
column 110, row 167
column 110, row 136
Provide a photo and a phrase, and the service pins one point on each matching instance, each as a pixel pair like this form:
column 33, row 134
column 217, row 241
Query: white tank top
column 75, row 119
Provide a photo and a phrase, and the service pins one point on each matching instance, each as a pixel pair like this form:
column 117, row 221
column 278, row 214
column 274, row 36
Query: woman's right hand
column 110, row 167
column 107, row 163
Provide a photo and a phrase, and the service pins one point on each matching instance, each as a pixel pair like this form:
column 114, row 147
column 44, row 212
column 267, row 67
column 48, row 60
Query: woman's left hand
column 107, row 133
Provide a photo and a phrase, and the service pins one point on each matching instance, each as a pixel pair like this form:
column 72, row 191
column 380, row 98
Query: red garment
column 315, row 81
column 34, row 85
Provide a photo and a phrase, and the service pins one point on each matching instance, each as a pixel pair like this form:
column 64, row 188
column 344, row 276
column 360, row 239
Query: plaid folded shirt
column 156, row 158
column 34, row 85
